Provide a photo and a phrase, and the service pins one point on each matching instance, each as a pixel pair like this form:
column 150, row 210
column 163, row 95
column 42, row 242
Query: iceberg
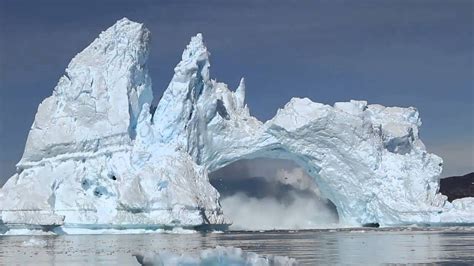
column 98, row 155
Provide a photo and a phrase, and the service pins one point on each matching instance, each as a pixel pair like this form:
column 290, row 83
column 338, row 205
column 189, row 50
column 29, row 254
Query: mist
column 265, row 194
column 248, row 213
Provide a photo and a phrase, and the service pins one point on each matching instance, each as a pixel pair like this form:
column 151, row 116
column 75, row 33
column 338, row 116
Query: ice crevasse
column 98, row 155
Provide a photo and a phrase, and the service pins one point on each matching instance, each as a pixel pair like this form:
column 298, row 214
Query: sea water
column 308, row 247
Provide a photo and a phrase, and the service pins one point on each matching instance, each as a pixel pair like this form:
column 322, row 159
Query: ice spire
column 190, row 80
column 194, row 64
column 240, row 94
column 99, row 96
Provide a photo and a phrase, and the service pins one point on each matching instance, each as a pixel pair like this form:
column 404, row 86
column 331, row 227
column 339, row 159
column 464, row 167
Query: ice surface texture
column 96, row 157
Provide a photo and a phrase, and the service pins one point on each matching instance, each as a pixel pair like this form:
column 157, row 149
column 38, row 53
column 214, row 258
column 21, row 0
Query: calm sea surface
column 314, row 247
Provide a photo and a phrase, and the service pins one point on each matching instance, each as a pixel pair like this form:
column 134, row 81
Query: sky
column 396, row 53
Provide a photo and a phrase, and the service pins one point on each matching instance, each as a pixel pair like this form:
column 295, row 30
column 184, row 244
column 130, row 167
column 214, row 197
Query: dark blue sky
column 404, row 53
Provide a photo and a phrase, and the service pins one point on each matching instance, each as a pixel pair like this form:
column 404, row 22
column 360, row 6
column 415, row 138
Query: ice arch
column 97, row 157
column 367, row 159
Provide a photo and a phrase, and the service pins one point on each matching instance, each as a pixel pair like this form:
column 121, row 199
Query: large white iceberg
column 97, row 157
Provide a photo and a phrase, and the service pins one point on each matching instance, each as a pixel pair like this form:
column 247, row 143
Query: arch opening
column 266, row 194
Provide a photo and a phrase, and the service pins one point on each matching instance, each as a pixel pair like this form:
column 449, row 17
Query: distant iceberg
column 97, row 155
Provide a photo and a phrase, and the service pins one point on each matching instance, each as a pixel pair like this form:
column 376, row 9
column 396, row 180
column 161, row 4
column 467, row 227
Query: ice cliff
column 97, row 157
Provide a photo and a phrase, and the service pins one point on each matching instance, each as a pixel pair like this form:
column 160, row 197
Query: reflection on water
column 309, row 247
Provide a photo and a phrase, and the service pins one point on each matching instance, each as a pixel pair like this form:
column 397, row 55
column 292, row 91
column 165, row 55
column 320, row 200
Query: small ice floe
column 357, row 231
column 216, row 256
column 34, row 242
column 179, row 230
column 27, row 232
column 129, row 231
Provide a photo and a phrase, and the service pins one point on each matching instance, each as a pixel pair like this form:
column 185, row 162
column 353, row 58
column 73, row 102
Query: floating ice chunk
column 217, row 256
column 35, row 242
column 28, row 232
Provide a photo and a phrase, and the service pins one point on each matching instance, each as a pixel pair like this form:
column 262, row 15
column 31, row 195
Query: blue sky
column 404, row 53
